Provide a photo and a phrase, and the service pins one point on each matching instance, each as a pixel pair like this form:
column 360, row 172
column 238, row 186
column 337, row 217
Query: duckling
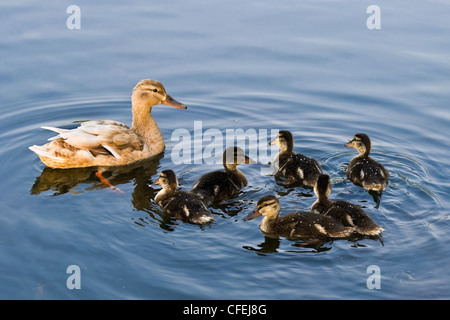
column 183, row 205
column 294, row 166
column 220, row 185
column 302, row 224
column 363, row 170
column 344, row 212
column 107, row 142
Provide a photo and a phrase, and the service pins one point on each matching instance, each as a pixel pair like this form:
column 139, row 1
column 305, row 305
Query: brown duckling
column 220, row 185
column 183, row 205
column 304, row 224
column 344, row 212
column 295, row 167
column 363, row 170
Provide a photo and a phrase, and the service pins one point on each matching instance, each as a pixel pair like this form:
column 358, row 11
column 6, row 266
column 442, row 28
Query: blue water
column 311, row 67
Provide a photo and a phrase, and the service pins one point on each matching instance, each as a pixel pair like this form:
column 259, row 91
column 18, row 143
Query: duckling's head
column 284, row 140
column 361, row 143
column 322, row 187
column 267, row 206
column 167, row 179
column 148, row 93
column 234, row 156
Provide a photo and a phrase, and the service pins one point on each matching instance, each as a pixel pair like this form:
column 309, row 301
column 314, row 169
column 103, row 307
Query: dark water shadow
column 80, row 180
column 62, row 181
column 272, row 243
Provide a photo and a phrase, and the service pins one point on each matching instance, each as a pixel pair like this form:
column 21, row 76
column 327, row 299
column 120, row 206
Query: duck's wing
column 90, row 139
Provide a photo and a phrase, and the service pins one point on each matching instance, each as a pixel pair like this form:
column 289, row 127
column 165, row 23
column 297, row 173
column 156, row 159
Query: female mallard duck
column 183, row 205
column 294, row 166
column 107, row 142
column 219, row 185
column 363, row 170
column 344, row 212
column 304, row 224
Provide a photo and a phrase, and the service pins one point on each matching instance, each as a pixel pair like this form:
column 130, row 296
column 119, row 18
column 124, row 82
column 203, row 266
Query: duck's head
column 361, row 143
column 167, row 179
column 150, row 93
column 267, row 206
column 284, row 140
column 234, row 156
column 322, row 187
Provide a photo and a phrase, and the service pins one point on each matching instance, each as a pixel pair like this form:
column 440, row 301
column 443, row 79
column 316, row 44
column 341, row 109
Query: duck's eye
column 155, row 90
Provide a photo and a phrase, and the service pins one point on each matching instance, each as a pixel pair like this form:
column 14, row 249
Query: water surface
column 313, row 68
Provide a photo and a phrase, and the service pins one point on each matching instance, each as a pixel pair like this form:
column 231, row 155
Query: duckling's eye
column 155, row 90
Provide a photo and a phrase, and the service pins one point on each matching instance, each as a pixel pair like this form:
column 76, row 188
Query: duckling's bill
column 254, row 214
column 349, row 144
column 248, row 160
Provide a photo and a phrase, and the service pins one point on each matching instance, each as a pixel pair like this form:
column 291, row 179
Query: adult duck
column 107, row 142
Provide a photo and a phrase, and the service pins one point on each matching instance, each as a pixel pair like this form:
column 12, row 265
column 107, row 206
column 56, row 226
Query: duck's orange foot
column 105, row 181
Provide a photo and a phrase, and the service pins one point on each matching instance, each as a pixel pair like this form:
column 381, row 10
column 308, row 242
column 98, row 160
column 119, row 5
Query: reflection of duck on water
column 67, row 180
column 272, row 244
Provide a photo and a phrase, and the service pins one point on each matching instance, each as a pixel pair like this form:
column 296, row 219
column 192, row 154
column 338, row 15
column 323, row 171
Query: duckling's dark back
column 352, row 215
column 305, row 224
column 295, row 166
column 218, row 185
column 187, row 207
column 368, row 173
column 363, row 170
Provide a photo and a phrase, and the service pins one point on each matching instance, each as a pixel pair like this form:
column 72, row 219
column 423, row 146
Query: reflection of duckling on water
column 111, row 143
column 220, row 185
column 303, row 224
column 294, row 166
column 363, row 170
column 345, row 212
column 182, row 205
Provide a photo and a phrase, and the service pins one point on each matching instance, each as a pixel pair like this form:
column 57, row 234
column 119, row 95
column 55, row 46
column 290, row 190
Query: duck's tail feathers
column 374, row 230
column 57, row 130
column 43, row 152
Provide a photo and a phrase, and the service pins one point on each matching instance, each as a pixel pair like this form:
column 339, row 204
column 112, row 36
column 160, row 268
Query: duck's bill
column 248, row 160
column 252, row 215
column 173, row 103
column 274, row 142
column 349, row 144
column 157, row 181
